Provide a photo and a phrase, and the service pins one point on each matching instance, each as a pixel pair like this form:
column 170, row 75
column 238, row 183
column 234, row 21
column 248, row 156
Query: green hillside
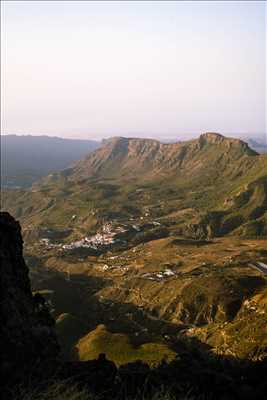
column 118, row 348
column 221, row 180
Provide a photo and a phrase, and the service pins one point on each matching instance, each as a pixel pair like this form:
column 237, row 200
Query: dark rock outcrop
column 196, row 231
column 27, row 329
column 96, row 375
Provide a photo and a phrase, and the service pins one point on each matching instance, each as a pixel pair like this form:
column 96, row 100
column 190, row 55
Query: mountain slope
column 121, row 156
column 221, row 180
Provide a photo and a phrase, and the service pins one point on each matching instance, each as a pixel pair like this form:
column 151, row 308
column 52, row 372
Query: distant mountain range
column 258, row 145
column 221, row 181
column 25, row 159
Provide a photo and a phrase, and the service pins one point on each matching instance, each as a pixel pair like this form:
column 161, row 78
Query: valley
column 143, row 249
column 202, row 288
column 133, row 200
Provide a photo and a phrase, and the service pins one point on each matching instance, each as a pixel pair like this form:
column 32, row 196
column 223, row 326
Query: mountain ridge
column 221, row 179
column 134, row 154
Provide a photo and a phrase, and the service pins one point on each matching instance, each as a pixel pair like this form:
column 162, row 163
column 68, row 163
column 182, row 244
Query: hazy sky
column 94, row 69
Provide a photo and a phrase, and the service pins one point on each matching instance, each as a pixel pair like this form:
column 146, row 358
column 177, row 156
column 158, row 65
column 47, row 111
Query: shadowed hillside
column 25, row 159
column 189, row 370
column 27, row 329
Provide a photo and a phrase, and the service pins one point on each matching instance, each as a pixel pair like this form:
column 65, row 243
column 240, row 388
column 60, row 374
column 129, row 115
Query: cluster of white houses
column 159, row 275
column 106, row 237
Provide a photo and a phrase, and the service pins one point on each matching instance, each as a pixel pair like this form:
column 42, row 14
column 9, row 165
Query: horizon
column 258, row 138
column 92, row 70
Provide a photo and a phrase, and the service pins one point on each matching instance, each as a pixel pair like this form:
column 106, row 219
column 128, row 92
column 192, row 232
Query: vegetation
column 221, row 180
column 118, row 348
column 68, row 391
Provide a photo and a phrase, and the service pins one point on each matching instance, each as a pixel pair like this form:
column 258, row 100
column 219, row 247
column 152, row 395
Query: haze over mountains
column 25, row 159
column 259, row 145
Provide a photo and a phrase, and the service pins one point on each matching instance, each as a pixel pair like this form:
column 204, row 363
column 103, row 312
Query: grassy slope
column 241, row 199
column 118, row 348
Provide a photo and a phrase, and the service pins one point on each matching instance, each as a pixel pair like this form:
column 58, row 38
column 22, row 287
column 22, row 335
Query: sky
column 170, row 69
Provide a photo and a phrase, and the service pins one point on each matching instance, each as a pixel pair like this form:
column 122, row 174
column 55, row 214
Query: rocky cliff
column 27, row 335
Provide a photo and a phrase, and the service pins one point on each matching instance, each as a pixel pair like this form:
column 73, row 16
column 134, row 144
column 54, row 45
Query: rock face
column 27, row 335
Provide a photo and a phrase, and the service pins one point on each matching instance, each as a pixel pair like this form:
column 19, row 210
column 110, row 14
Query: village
column 109, row 234
column 106, row 237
